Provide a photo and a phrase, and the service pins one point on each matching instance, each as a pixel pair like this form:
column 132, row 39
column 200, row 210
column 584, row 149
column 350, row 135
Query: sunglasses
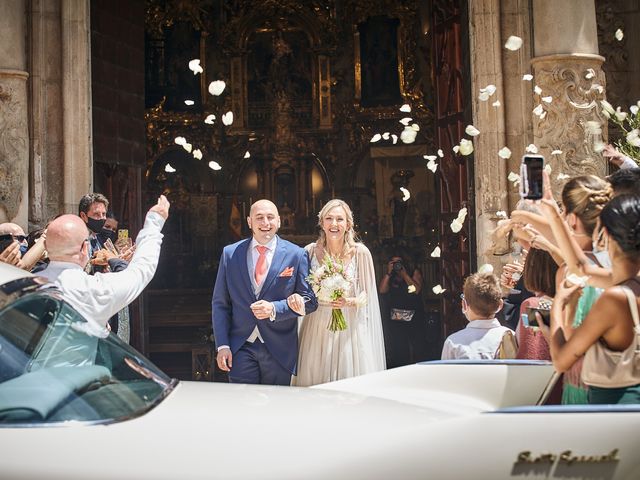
column 9, row 236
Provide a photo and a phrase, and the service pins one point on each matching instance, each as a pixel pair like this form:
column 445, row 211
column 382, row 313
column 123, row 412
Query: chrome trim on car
column 17, row 288
column 570, row 409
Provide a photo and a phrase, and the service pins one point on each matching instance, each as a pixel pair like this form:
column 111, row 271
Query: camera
column 398, row 266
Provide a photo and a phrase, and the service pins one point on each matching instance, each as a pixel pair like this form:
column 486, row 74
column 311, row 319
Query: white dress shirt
column 252, row 260
column 98, row 297
column 478, row 341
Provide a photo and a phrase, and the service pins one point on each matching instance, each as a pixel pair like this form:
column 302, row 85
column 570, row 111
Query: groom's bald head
column 263, row 220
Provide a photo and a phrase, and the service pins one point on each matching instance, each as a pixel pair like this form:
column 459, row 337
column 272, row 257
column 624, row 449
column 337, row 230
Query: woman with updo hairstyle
column 607, row 337
column 325, row 355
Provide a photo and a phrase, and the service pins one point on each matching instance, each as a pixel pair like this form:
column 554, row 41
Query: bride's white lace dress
column 325, row 356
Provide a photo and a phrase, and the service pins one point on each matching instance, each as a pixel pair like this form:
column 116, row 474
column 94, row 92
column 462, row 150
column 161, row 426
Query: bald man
column 98, row 297
column 256, row 331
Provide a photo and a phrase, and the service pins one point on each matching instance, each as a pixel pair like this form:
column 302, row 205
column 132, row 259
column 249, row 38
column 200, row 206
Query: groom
column 255, row 329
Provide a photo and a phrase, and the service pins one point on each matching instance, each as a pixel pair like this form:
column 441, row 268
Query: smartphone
column 544, row 313
column 531, row 177
column 5, row 241
column 123, row 233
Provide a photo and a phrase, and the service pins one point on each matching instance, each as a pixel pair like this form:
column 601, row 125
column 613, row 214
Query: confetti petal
column 189, row 102
column 531, row 148
column 408, row 135
column 415, row 126
column 385, row 136
column 591, row 73
column 456, row 149
column 197, row 154
column 496, row 103
column 411, row 289
column 375, row 138
column 537, row 90
column 538, row 111
column 216, row 88
column 471, row 131
column 394, row 138
column 180, row 140
column 432, row 165
column 406, row 108
column 527, row 77
column 486, row 268
column 430, row 157
column 514, row 178
column 547, row 168
column 548, row 99
column 504, row 153
column 187, row 147
column 619, row 34
column 210, row 119
column 456, row 226
column 436, row 252
column 562, row 176
column 169, row 169
column 438, row 289
column 501, row 214
column 214, row 165
column 462, row 214
column 194, row 66
column 440, row 153
column 556, row 152
column 247, row 154
column 466, row 147
column 483, row 96
column 513, row 43
column 406, row 194
column 227, row 118
column 406, row 121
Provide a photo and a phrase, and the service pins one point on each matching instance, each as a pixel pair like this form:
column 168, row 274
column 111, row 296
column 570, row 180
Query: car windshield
column 55, row 366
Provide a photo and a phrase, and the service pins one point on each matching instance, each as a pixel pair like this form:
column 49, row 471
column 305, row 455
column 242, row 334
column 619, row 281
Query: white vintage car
column 77, row 403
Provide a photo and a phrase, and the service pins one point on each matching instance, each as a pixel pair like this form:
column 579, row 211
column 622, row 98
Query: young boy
column 480, row 340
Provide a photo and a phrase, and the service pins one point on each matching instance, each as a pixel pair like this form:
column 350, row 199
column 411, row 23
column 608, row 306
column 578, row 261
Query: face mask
column 23, row 249
column 105, row 235
column 95, row 225
column 602, row 256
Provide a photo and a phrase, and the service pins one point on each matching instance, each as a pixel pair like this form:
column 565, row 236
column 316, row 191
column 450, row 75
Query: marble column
column 567, row 67
column 14, row 133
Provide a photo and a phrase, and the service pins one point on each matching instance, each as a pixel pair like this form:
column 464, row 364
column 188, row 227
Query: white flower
column 247, row 154
column 406, row 108
column 527, row 77
column 514, row 178
column 415, row 126
column 394, row 137
column 227, row 118
column 436, row 252
column 471, row 131
column 194, row 66
column 501, row 214
column 633, row 137
column 169, row 169
column 504, row 153
column 385, row 136
column 634, row 109
column 486, row 268
column 548, row 99
column 214, row 165
column 619, row 34
column 556, row 152
column 375, row 138
column 513, row 43
column 405, row 121
column 189, row 102
column 496, row 103
column 531, row 148
column 187, row 147
column 607, row 107
column 406, row 194
column 538, row 110
column 180, row 140
column 537, row 90
column 438, row 289
column 216, row 88
column 456, row 226
column 197, row 154
column 408, row 135
column 456, row 149
column 562, row 176
column 466, row 147
column 440, row 153
column 547, row 168
column 210, row 119
column 590, row 74
column 593, row 127
column 620, row 115
column 432, row 165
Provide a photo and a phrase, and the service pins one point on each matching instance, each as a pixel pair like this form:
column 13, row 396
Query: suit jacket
column 233, row 320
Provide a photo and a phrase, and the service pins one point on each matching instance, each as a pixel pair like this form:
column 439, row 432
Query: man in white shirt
column 480, row 340
column 98, row 297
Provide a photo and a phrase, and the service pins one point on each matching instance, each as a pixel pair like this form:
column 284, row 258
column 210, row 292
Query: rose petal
column 180, row 140
column 375, row 138
column 531, row 148
column 501, row 214
column 514, row 178
column 496, row 103
column 405, row 121
column 247, row 154
column 462, row 214
column 456, row 226
column 527, row 77
column 214, row 165
column 504, row 153
column 194, row 66
column 440, row 153
column 486, row 268
column 406, row 194
column 415, row 126
column 189, row 102
column 408, row 135
column 548, row 99
column 513, row 43
column 429, row 157
column 537, row 90
column 406, row 108
column 562, row 176
column 385, row 136
column 466, row 147
column 210, row 119
column 432, row 165
column 538, row 110
column 556, row 152
column 471, row 131
column 227, row 118
column 483, row 97
column 456, row 149
column 619, row 34
column 438, row 289
column 216, row 88
column 187, row 147
column 436, row 252
column 197, row 154
column 394, row 138
column 169, row 169
column 411, row 289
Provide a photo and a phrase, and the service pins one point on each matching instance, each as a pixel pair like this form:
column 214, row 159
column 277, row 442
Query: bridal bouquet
column 330, row 282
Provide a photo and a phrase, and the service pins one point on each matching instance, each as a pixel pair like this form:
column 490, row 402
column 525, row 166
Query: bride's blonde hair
column 350, row 236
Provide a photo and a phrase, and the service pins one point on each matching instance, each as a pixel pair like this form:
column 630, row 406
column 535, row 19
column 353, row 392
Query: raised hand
column 11, row 255
column 162, row 207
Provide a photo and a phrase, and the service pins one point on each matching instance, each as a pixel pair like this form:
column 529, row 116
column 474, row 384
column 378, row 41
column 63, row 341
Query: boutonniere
column 287, row 272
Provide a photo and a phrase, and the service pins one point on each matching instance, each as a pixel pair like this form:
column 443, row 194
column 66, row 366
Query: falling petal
column 194, row 66
column 513, row 43
column 438, row 289
column 432, row 165
column 216, row 88
column 169, row 169
column 504, row 153
column 415, row 126
column 375, row 138
column 187, row 147
column 436, row 252
column 189, row 102
column 472, row 131
column 440, row 153
column 537, row 90
column 486, row 268
column 483, row 97
column 634, row 109
column 197, row 154
column 408, row 135
column 462, row 214
column 527, row 77
column 456, row 149
column 501, row 214
column 547, row 168
column 456, row 226
column 486, row 92
column 406, row 108
column 548, row 99
column 538, row 110
column 411, row 289
column 406, row 121
column 562, row 176
column 556, row 152
column 531, row 148
column 394, row 138
column 385, row 136
column 406, row 194
column 227, row 118
column 430, row 157
column 180, row 140
column 210, row 119
column 542, row 115
column 247, row 154
column 214, row 165
column 593, row 127
column 466, row 147
column 514, row 178
column 591, row 73
column 619, row 34
column 496, row 103
column 598, row 146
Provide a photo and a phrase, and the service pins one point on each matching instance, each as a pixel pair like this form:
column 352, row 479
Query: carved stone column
column 14, row 133
column 567, row 67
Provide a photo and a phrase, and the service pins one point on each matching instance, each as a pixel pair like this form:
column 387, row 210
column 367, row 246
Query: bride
column 324, row 355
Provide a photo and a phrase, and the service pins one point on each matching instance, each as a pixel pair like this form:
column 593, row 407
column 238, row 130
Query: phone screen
column 531, row 177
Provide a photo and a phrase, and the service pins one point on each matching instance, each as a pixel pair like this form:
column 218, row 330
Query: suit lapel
column 242, row 252
column 276, row 266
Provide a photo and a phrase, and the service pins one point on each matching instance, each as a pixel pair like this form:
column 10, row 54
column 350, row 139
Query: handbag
column 605, row 368
column 508, row 347
column 402, row 315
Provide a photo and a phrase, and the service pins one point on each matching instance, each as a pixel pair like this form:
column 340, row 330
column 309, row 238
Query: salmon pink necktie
column 261, row 264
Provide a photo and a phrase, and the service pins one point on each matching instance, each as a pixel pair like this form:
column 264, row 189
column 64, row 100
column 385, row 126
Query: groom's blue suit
column 233, row 293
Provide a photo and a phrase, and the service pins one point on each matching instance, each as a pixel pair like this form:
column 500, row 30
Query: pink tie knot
column 262, row 249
